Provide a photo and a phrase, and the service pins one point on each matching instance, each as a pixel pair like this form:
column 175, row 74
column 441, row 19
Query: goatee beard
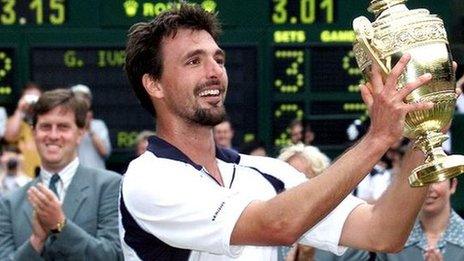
column 206, row 117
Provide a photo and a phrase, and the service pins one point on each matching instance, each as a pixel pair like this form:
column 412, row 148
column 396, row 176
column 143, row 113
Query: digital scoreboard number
column 32, row 12
column 289, row 70
column 6, row 74
column 283, row 114
column 302, row 11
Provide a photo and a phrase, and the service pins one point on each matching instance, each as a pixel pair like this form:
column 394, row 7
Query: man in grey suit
column 70, row 212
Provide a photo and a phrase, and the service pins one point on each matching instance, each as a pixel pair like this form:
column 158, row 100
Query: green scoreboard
column 286, row 59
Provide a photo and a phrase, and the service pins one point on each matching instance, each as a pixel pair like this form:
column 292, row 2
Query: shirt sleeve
column 326, row 234
column 183, row 210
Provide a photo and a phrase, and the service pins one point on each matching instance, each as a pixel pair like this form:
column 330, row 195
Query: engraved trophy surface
column 396, row 31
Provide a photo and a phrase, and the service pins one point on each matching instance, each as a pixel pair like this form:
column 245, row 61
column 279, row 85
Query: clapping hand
column 433, row 254
column 46, row 206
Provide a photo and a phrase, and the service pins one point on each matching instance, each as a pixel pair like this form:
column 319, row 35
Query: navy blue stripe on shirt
column 164, row 149
column 146, row 245
column 278, row 184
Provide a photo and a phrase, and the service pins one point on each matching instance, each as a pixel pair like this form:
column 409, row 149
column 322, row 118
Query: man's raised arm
column 286, row 217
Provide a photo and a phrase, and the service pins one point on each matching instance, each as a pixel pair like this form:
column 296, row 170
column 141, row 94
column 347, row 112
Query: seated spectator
column 11, row 176
column 95, row 146
column 18, row 131
column 69, row 212
column 439, row 231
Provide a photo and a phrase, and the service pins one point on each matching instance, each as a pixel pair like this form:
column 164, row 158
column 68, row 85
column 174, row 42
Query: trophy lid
column 378, row 6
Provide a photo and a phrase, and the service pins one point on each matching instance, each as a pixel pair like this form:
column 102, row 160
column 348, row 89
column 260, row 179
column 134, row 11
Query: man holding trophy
column 186, row 199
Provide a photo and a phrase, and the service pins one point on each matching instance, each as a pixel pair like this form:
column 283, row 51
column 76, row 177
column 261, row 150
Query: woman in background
column 310, row 161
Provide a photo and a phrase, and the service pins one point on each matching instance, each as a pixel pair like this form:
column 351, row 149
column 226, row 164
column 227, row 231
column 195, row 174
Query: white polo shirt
column 172, row 209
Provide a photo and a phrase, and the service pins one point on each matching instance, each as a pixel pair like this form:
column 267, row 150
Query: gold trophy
column 396, row 31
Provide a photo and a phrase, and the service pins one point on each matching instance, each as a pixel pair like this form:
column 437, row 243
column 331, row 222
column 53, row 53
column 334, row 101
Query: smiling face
column 57, row 137
column 438, row 197
column 194, row 81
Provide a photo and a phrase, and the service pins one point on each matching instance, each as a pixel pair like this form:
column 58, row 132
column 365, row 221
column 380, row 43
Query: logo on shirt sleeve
column 218, row 210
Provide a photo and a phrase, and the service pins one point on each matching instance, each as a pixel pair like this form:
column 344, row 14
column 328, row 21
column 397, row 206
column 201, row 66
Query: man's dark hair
column 65, row 98
column 143, row 49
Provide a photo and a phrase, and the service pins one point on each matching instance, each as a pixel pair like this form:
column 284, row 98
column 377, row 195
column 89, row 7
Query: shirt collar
column 164, row 149
column 453, row 233
column 66, row 174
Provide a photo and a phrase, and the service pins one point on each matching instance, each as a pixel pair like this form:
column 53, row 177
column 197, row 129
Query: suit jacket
column 91, row 231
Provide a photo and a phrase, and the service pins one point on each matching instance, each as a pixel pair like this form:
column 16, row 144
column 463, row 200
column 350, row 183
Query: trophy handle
column 365, row 32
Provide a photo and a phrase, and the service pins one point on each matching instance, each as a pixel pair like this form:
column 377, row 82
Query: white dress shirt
column 66, row 175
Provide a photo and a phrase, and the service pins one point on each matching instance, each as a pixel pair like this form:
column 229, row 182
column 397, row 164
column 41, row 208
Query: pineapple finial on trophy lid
column 378, row 6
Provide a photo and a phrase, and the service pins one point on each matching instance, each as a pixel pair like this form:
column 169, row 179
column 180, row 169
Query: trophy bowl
column 396, row 31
